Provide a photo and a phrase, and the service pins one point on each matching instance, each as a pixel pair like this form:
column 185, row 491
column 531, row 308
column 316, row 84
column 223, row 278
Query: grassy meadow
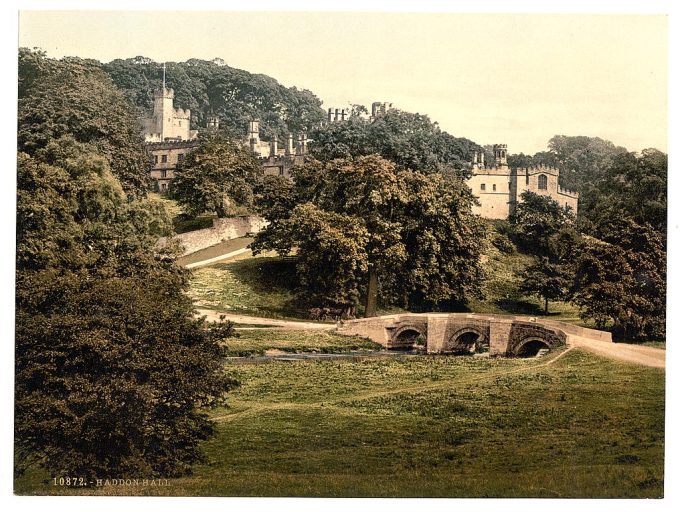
column 258, row 342
column 570, row 424
column 566, row 425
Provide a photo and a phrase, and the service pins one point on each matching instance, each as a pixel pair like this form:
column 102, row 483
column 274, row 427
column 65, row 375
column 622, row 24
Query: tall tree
column 546, row 279
column 75, row 98
column 620, row 280
column 410, row 140
column 636, row 185
column 582, row 160
column 537, row 218
column 113, row 372
column 219, row 174
column 414, row 238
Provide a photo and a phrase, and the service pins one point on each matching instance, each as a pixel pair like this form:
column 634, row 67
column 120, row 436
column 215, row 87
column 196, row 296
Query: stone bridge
column 464, row 333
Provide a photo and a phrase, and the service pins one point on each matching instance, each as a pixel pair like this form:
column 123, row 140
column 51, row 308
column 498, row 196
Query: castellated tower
column 254, row 136
column 380, row 108
column 499, row 189
column 500, row 155
column 167, row 123
column 338, row 115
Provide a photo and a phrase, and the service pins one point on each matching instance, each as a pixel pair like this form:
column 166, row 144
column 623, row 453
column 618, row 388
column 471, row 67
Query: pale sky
column 493, row 78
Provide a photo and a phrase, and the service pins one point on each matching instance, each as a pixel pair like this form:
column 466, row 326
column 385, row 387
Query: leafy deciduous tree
column 112, row 369
column 620, row 280
column 215, row 176
column 75, row 98
column 414, row 238
column 410, row 140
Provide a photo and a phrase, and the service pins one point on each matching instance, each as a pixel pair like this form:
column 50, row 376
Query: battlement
column 338, row 115
column 276, row 159
column 171, row 144
column 537, row 169
column 181, row 113
column 567, row 192
column 379, row 108
column 499, row 188
column 164, row 92
column 492, row 170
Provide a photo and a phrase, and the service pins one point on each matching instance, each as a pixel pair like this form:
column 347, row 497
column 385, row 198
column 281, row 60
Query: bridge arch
column 468, row 340
column 408, row 337
column 530, row 346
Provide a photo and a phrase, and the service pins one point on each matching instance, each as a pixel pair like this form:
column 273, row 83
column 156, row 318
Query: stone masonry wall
column 505, row 333
column 221, row 231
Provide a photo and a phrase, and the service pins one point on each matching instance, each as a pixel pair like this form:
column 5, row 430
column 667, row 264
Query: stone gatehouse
column 499, row 188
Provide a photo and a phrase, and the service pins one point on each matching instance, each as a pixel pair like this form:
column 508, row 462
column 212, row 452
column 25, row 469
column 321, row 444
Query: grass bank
column 260, row 286
column 258, row 341
column 432, row 426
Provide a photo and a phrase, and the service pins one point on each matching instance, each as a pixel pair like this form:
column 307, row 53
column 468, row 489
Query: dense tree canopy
column 111, row 366
column 620, row 279
column 112, row 369
column 214, row 88
column 582, row 160
column 217, row 175
column 367, row 227
column 410, row 140
column 537, row 218
column 75, row 98
column 636, row 186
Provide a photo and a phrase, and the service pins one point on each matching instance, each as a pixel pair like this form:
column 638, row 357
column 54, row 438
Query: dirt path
column 213, row 316
column 636, row 354
column 215, row 253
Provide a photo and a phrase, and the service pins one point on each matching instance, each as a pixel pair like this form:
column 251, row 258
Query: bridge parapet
column 500, row 335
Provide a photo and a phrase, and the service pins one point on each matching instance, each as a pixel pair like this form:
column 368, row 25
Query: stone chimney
column 290, row 150
column 274, row 146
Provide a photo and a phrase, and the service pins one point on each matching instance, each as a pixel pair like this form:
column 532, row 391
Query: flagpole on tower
column 164, row 76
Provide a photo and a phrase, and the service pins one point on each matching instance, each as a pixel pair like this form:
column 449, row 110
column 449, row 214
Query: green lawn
column 432, row 426
column 260, row 286
column 257, row 342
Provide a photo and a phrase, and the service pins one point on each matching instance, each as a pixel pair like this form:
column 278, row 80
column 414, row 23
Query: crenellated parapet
column 566, row 192
column 499, row 188
column 538, row 169
column 492, row 170
column 182, row 113
column 171, row 144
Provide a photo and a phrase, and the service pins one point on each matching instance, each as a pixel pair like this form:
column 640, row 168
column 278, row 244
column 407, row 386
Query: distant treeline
column 214, row 88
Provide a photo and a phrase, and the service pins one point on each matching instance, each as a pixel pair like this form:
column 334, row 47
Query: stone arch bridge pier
column 463, row 333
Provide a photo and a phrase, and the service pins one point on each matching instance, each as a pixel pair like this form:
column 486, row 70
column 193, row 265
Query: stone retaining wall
column 221, row 231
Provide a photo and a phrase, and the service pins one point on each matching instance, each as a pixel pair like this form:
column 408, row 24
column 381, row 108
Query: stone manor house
column 169, row 138
column 499, row 188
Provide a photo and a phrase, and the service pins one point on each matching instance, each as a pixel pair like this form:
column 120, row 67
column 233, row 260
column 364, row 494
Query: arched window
column 483, row 186
column 542, row 182
column 494, row 187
